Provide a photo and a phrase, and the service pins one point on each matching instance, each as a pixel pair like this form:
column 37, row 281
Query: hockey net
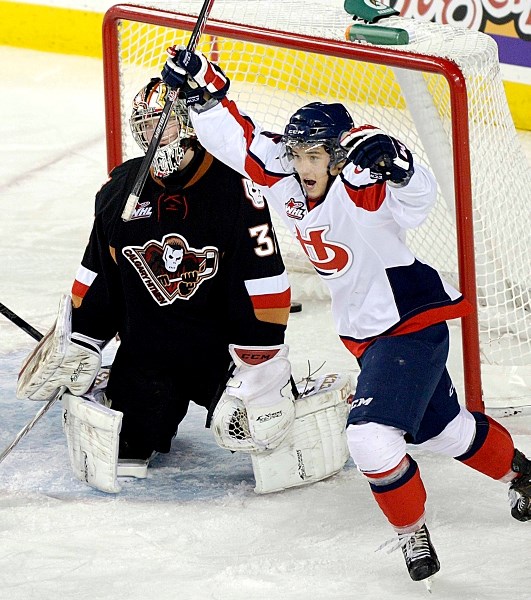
column 441, row 94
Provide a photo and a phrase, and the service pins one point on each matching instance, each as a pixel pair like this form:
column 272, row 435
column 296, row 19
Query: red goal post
column 266, row 62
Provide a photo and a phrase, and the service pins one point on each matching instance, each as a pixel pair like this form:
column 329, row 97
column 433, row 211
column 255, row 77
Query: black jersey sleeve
column 258, row 269
column 96, row 292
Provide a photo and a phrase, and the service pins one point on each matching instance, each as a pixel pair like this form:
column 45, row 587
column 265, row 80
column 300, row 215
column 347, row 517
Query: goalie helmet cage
column 441, row 94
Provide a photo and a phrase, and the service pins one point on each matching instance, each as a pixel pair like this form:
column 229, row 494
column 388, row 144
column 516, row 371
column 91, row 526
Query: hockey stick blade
column 154, row 144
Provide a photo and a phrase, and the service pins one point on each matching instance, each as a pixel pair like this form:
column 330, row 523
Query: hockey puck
column 295, row 307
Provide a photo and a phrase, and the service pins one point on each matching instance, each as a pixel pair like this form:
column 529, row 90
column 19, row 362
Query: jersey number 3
column 264, row 242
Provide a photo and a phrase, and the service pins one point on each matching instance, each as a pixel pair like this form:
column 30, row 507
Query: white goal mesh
column 273, row 74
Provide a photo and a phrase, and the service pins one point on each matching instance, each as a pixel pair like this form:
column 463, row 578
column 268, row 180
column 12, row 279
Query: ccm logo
column 357, row 402
column 255, row 358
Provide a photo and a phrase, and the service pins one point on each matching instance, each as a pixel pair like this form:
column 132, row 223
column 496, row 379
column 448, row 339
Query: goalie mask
column 318, row 124
column 178, row 135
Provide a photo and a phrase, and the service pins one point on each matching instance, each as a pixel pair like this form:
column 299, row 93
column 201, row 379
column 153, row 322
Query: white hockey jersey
column 355, row 237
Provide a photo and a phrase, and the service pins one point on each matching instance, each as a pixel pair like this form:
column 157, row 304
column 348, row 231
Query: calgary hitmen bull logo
column 171, row 269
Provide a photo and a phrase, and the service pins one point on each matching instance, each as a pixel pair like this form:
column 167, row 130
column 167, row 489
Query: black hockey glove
column 207, row 76
column 172, row 73
column 386, row 158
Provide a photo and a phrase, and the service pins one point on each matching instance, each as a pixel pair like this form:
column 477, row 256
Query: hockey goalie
column 295, row 437
column 194, row 271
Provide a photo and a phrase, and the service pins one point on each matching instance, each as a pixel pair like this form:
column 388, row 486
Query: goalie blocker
column 62, row 358
column 313, row 449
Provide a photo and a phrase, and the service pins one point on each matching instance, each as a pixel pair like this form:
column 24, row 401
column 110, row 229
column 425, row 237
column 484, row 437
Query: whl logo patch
column 295, row 209
column 171, row 269
column 143, row 210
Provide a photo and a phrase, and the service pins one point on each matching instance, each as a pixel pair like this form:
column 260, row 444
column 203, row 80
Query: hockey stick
column 14, row 318
column 37, row 335
column 142, row 174
column 30, row 425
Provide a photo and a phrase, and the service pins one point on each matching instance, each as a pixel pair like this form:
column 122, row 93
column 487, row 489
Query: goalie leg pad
column 316, row 446
column 92, row 434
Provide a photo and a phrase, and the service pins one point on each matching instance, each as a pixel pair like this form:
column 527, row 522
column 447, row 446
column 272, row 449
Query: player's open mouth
column 309, row 183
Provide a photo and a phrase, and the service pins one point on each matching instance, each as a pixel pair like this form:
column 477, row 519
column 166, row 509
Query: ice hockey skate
column 419, row 554
column 520, row 488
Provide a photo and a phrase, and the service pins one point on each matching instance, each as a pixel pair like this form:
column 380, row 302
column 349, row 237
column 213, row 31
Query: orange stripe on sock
column 404, row 505
column 495, row 456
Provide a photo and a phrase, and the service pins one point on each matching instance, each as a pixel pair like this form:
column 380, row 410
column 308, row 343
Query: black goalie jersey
column 196, row 268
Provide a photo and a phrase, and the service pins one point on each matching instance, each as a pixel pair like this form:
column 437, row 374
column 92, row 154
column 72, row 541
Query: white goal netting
column 272, row 76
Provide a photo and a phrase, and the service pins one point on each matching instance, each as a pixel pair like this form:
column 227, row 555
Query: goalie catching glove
column 386, row 157
column 61, row 359
column 194, row 74
column 261, row 387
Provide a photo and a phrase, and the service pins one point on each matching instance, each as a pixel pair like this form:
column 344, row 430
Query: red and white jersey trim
column 84, row 279
column 269, row 292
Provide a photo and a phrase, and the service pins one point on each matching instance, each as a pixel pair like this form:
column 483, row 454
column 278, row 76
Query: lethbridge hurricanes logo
column 330, row 259
column 172, row 269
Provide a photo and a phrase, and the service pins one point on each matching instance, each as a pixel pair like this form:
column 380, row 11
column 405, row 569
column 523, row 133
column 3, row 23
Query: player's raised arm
column 222, row 128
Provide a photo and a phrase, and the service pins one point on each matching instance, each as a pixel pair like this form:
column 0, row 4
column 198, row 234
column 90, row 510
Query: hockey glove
column 256, row 411
column 61, row 359
column 386, row 158
column 172, row 73
column 207, row 76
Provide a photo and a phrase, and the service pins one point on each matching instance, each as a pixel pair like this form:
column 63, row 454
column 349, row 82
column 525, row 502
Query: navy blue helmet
column 319, row 124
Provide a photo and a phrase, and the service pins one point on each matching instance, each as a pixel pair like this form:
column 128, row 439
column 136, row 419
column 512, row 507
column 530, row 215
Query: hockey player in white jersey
column 348, row 194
